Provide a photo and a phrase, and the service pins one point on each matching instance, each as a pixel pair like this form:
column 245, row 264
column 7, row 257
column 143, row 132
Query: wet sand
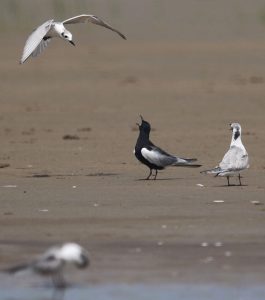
column 136, row 231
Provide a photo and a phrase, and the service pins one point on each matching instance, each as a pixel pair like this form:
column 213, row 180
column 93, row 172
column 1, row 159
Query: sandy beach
column 189, row 85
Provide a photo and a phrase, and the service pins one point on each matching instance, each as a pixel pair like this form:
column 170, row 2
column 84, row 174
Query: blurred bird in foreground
column 154, row 157
column 41, row 36
column 53, row 261
column 235, row 160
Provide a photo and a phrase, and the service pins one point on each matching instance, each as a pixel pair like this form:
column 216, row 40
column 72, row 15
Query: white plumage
column 41, row 36
column 53, row 261
column 160, row 159
column 236, row 158
column 35, row 43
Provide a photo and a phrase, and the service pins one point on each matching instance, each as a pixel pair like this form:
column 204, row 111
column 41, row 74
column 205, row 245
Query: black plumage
column 154, row 157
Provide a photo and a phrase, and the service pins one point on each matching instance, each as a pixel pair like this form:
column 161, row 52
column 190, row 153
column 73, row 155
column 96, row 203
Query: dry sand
column 137, row 231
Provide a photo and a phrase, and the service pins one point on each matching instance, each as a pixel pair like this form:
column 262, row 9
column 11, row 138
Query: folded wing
column 48, row 264
column 160, row 158
column 235, row 159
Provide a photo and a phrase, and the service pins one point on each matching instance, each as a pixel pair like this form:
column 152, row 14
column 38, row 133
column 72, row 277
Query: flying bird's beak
column 71, row 42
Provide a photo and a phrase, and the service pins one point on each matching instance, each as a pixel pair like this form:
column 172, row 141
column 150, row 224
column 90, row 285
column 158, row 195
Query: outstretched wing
column 35, row 43
column 94, row 20
column 42, row 45
column 234, row 159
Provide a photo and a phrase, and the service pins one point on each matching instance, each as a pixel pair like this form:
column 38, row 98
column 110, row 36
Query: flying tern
column 42, row 35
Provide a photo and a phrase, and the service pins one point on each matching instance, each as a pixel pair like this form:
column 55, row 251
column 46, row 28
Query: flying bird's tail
column 186, row 162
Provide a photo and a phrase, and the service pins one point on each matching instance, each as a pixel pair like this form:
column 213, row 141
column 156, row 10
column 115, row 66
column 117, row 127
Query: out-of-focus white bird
column 53, row 261
column 236, row 158
column 41, row 36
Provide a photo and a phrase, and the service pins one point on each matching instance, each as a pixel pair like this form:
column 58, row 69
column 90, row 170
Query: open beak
column 71, row 42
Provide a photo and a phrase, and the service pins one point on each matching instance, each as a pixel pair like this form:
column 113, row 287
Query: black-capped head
column 144, row 126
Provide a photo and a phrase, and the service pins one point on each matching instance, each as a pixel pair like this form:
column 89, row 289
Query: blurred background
column 190, row 67
column 147, row 19
column 185, row 64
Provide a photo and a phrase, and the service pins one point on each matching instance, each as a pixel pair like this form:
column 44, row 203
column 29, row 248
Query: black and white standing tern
column 154, row 157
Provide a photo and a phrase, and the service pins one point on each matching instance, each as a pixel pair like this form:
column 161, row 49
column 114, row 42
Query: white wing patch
column 157, row 158
column 235, row 159
column 35, row 44
column 42, row 45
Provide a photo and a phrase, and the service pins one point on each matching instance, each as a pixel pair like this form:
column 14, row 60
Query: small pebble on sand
column 256, row 202
column 208, row 260
column 200, row 185
column 9, row 186
column 218, row 244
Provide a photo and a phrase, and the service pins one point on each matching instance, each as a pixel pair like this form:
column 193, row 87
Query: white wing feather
column 94, row 20
column 157, row 158
column 234, row 159
column 80, row 19
column 35, row 43
column 42, row 45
